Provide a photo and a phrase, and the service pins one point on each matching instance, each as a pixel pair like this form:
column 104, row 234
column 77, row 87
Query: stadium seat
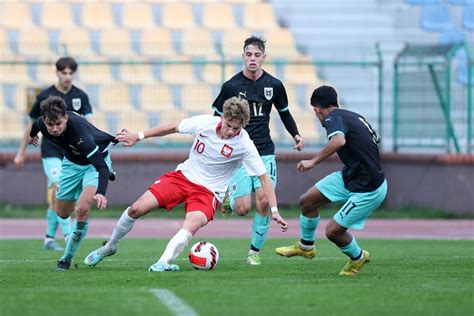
column 156, row 98
column 17, row 73
column 114, row 98
column 116, row 43
column 212, row 74
column 156, row 42
column 136, row 74
column 177, row 16
column 97, row 16
column 197, row 98
column 46, row 74
column 56, row 16
column 76, row 42
column 308, row 126
column 15, row 97
column 280, row 44
column 452, row 36
column 233, row 43
column 435, row 18
column 100, row 121
column 177, row 73
column 5, row 51
column 35, row 43
column 133, row 121
column 259, row 15
column 12, row 124
column 94, row 74
column 137, row 16
column 300, row 74
column 422, row 2
column 468, row 17
column 15, row 15
column 218, row 16
column 198, row 43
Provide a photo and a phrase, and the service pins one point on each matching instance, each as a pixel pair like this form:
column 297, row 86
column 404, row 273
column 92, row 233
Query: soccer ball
column 203, row 256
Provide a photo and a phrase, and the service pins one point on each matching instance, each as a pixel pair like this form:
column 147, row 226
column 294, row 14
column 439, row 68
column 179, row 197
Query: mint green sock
column 352, row 250
column 79, row 230
column 308, row 227
column 51, row 223
column 65, row 225
column 260, row 227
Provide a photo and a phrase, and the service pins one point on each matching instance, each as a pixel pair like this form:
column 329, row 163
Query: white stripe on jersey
column 213, row 161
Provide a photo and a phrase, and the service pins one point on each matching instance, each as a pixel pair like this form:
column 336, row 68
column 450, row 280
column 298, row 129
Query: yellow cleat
column 353, row 266
column 295, row 250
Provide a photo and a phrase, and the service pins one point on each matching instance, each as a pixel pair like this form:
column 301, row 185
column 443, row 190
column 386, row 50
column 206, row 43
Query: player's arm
column 336, row 142
column 19, row 159
column 267, row 187
column 96, row 159
column 131, row 138
column 292, row 129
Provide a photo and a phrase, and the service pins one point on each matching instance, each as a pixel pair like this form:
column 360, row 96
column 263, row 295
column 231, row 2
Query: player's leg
column 238, row 197
column 200, row 208
column 124, row 225
column 353, row 214
column 261, row 221
column 51, row 167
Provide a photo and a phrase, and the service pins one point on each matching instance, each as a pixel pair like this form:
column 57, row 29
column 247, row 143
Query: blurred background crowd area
column 407, row 65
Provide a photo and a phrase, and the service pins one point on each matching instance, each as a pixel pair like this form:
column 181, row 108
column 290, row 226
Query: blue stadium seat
column 468, row 17
column 460, row 2
column 422, row 2
column 452, row 36
column 462, row 69
column 436, row 18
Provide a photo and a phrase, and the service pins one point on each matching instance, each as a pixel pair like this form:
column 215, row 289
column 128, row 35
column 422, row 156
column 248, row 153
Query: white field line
column 174, row 303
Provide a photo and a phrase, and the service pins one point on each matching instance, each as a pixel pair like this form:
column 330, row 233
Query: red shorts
column 174, row 188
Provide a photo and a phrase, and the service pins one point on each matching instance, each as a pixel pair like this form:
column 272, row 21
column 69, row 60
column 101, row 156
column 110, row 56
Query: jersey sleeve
column 252, row 161
column 35, row 109
column 334, row 125
column 281, row 98
column 34, row 128
column 192, row 124
column 224, row 94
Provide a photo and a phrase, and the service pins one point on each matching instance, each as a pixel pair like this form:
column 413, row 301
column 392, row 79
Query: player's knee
column 82, row 211
column 241, row 209
column 135, row 211
column 333, row 233
column 306, row 205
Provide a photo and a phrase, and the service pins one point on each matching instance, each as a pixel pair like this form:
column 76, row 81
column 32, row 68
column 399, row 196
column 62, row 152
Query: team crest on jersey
column 268, row 91
column 76, row 104
column 226, row 151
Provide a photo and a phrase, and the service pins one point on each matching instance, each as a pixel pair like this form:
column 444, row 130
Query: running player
column 220, row 146
column 262, row 91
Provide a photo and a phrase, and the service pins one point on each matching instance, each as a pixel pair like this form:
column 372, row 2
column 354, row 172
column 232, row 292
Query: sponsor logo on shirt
column 226, row 151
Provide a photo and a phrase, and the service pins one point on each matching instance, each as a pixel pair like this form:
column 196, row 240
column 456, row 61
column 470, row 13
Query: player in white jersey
column 220, row 147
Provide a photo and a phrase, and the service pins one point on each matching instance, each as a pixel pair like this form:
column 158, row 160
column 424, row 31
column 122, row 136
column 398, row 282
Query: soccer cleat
column 63, row 265
column 161, row 267
column 295, row 250
column 254, row 260
column 226, row 210
column 97, row 255
column 52, row 245
column 353, row 266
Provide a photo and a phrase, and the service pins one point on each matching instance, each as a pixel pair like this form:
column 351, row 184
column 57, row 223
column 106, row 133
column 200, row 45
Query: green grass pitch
column 404, row 278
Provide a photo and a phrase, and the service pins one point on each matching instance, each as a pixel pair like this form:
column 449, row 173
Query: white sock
column 252, row 252
column 306, row 247
column 175, row 246
column 123, row 226
column 47, row 240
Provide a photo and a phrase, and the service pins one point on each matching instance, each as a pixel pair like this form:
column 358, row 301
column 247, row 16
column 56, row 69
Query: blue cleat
column 162, row 267
column 96, row 256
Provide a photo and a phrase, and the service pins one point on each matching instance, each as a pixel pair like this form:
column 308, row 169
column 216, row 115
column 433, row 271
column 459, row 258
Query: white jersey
column 213, row 161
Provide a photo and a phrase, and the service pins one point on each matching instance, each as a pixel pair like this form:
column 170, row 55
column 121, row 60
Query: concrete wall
column 433, row 181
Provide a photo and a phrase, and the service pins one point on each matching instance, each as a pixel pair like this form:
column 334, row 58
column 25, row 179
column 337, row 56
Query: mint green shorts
column 242, row 184
column 358, row 206
column 52, row 169
column 74, row 178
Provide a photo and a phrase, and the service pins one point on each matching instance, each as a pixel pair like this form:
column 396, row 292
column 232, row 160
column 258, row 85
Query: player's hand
column 277, row 218
column 19, row 160
column 299, row 143
column 304, row 165
column 101, row 201
column 33, row 140
column 128, row 138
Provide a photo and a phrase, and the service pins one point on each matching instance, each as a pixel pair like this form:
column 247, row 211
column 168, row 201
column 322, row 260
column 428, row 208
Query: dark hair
column 324, row 97
column 255, row 41
column 52, row 109
column 66, row 62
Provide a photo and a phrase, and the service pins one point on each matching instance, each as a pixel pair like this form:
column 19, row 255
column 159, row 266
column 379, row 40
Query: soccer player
column 220, row 146
column 76, row 100
column 361, row 185
column 85, row 168
column 262, row 91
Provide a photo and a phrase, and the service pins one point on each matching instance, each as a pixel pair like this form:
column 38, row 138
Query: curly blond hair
column 236, row 108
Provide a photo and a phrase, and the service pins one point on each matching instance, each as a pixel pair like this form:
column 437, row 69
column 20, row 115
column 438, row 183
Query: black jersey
column 82, row 143
column 76, row 100
column 360, row 154
column 261, row 94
